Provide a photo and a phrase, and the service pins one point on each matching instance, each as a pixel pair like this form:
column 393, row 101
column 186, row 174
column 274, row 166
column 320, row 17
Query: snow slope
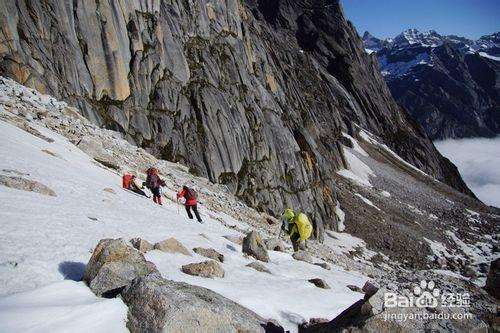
column 46, row 241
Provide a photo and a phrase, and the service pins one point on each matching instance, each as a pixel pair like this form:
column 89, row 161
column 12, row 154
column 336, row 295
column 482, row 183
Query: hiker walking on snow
column 297, row 227
column 153, row 182
column 191, row 203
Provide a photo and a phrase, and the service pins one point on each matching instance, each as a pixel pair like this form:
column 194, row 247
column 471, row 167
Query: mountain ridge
column 449, row 84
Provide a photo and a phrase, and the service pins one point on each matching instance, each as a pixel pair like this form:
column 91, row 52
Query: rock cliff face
column 253, row 94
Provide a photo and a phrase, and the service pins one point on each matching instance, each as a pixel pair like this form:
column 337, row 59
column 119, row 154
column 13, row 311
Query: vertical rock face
column 253, row 94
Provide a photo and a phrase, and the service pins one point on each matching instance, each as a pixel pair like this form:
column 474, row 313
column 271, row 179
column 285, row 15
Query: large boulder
column 207, row 269
column 141, row 244
column 275, row 244
column 113, row 265
column 159, row 305
column 172, row 245
column 209, row 253
column 255, row 247
column 493, row 280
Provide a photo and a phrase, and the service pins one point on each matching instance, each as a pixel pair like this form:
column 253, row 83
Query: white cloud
column 478, row 161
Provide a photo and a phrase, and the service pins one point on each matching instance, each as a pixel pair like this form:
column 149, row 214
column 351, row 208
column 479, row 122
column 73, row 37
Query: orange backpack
column 126, row 179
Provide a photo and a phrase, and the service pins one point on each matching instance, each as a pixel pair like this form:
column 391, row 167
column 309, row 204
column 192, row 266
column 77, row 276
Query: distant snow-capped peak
column 414, row 37
column 431, row 38
column 399, row 55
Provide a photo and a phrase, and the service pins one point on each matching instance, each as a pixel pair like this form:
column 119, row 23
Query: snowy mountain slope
column 45, row 239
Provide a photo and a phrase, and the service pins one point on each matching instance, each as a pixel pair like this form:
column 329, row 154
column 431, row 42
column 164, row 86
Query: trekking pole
column 178, row 213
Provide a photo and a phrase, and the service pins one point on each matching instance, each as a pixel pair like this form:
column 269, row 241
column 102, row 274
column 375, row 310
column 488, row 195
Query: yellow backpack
column 303, row 226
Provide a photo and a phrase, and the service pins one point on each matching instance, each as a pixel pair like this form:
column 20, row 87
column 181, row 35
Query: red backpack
column 126, row 179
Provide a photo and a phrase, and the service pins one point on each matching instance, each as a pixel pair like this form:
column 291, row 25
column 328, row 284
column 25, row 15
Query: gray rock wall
column 253, row 94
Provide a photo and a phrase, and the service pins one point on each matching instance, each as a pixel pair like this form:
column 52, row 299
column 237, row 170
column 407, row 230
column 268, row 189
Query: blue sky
column 387, row 18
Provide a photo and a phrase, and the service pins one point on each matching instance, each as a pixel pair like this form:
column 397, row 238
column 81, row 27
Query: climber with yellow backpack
column 297, row 227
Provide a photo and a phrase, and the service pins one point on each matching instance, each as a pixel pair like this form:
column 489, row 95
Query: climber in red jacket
column 191, row 203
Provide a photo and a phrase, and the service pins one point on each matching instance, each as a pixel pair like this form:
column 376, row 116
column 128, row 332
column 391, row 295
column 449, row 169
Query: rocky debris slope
column 453, row 304
column 373, row 196
column 448, row 84
column 159, row 305
column 250, row 94
column 429, row 226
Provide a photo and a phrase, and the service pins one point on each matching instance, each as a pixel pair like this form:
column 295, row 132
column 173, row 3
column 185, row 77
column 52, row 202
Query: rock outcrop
column 23, row 184
column 251, row 94
column 159, row 305
column 113, row 266
column 254, row 246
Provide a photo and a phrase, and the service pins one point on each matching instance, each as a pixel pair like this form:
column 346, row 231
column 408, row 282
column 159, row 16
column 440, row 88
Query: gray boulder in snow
column 255, row 247
column 141, row 244
column 172, row 245
column 275, row 244
column 323, row 265
column 209, row 253
column 493, row 280
column 114, row 265
column 24, row 184
column 234, row 238
column 320, row 283
column 159, row 305
column 206, row 269
column 303, row 256
column 258, row 267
